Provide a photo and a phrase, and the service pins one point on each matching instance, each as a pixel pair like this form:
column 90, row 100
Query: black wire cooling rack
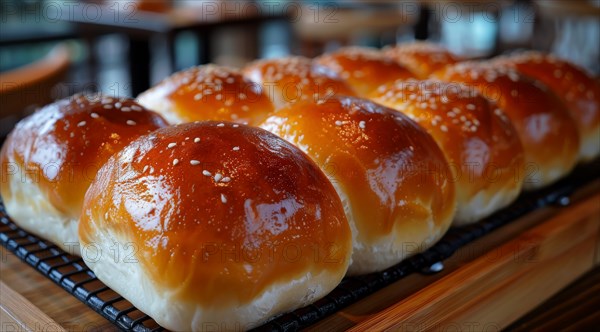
column 70, row 273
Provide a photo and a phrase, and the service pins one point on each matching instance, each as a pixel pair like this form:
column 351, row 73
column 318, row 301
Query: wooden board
column 488, row 283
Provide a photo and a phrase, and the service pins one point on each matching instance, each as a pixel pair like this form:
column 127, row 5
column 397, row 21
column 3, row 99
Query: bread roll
column 208, row 92
column 579, row 91
column 480, row 143
column 51, row 157
column 422, row 58
column 296, row 79
column 364, row 69
column 546, row 129
column 219, row 225
column 392, row 178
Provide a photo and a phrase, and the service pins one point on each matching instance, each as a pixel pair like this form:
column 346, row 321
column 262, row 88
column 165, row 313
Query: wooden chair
column 26, row 88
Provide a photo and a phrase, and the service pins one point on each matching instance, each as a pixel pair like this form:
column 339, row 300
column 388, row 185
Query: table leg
column 139, row 65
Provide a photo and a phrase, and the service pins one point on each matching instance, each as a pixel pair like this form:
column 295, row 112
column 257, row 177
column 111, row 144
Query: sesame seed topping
column 471, row 107
column 443, row 128
column 236, row 148
column 219, row 96
column 131, row 122
column 81, row 124
column 108, row 106
column 221, row 125
column 194, row 162
column 171, row 145
column 118, row 105
column 125, row 109
column 145, row 169
column 223, row 199
column 218, row 177
column 196, row 140
column 338, row 123
column 206, row 173
column 362, row 124
column 136, row 108
column 226, row 179
column 94, row 115
column 175, row 162
column 236, row 125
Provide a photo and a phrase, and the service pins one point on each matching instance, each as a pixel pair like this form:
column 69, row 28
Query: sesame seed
column 94, row 115
column 125, row 109
column 151, row 169
column 242, row 96
column 175, row 162
column 236, row 125
column 145, row 169
column 471, row 107
column 338, row 123
column 206, row 173
column 81, row 124
column 194, row 162
column 362, row 124
column 221, row 125
column 226, row 179
column 136, row 108
column 219, row 96
column 236, row 148
column 223, row 199
column 443, row 128
column 108, row 106
column 218, row 177
column 72, row 135
column 198, row 96
column 118, row 105
column 171, row 145
column 131, row 122
column 196, row 140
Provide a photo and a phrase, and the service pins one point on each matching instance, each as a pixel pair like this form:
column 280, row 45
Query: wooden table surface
column 497, row 278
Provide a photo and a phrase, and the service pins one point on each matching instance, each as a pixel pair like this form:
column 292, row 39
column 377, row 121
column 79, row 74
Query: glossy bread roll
column 364, row 69
column 579, row 91
column 480, row 143
column 52, row 156
column 296, row 79
column 392, row 178
column 546, row 129
column 219, row 224
column 208, row 92
column 422, row 58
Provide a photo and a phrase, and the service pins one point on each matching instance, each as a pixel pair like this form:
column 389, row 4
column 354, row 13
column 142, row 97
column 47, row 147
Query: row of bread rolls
column 232, row 225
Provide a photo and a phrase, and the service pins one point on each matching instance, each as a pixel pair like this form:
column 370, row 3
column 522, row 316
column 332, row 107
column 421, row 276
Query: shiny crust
column 479, row 142
column 422, row 58
column 389, row 172
column 62, row 146
column 214, row 209
column 208, row 92
column 546, row 129
column 364, row 69
column 296, row 79
column 578, row 90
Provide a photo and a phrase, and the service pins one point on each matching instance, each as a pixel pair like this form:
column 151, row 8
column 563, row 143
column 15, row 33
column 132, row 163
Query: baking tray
column 70, row 272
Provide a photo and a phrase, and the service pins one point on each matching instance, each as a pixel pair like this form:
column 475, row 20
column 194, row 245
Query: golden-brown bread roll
column 51, row 157
column 364, row 69
column 208, row 92
column 422, row 58
column 229, row 224
column 546, row 129
column 392, row 177
column 296, row 79
column 578, row 90
column 480, row 143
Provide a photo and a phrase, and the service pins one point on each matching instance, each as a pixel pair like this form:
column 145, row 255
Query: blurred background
column 51, row 49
